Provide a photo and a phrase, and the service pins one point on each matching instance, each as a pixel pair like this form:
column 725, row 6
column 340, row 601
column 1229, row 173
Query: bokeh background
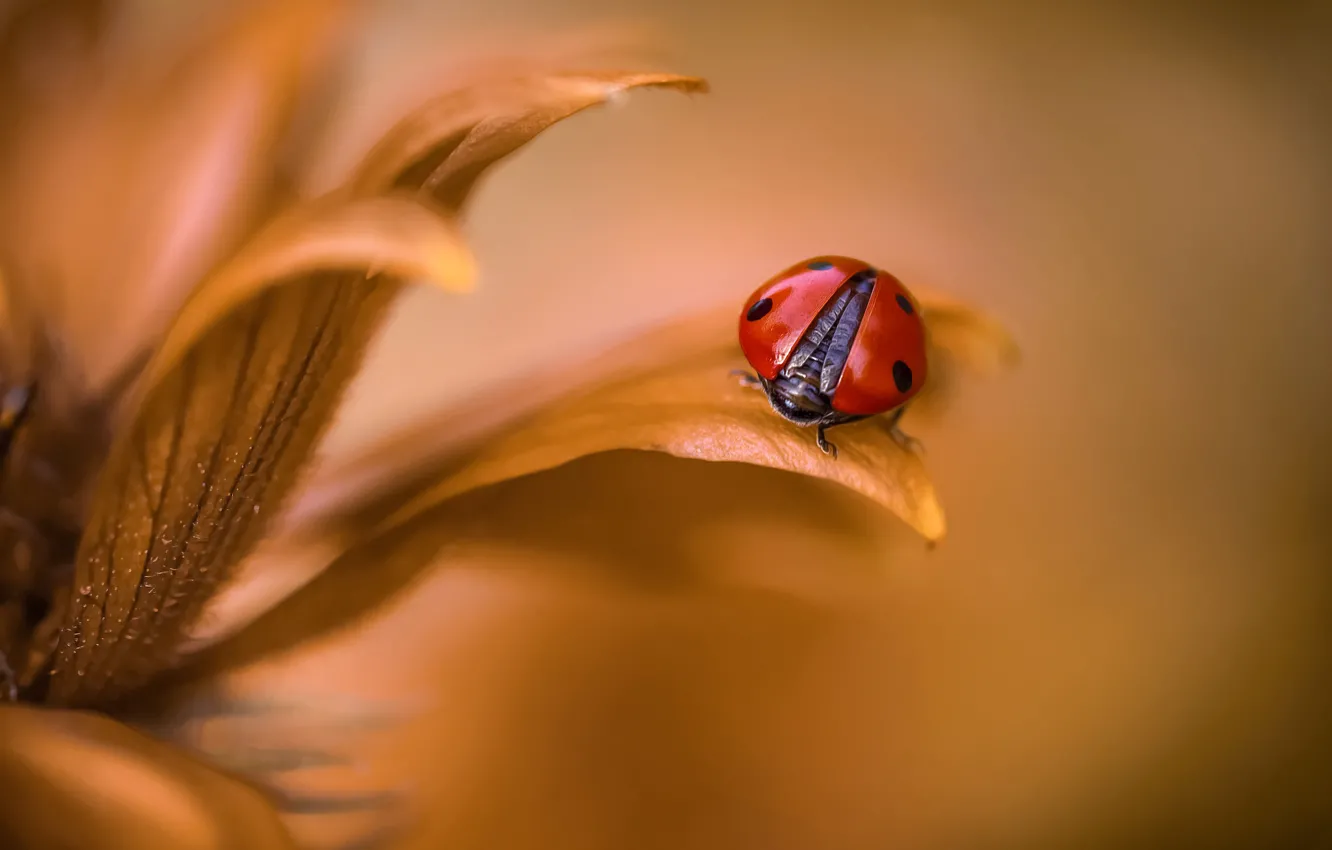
column 1124, row 640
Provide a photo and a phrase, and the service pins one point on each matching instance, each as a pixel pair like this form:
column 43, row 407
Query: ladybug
column 834, row 340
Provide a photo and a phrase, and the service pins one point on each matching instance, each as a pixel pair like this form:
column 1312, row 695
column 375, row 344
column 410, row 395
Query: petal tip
column 679, row 82
column 453, row 269
column 929, row 522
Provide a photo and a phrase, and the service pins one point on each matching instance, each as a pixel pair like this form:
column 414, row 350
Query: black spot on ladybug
column 820, row 265
column 901, row 376
column 905, row 304
column 759, row 310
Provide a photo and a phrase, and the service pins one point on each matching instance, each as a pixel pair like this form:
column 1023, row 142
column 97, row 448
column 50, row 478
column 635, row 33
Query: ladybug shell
column 886, row 365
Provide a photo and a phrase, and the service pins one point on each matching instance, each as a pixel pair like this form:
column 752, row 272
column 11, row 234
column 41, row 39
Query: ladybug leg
column 828, row 448
column 904, row 440
column 746, row 379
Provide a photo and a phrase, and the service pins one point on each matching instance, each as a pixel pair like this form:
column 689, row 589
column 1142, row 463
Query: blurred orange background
column 1123, row 641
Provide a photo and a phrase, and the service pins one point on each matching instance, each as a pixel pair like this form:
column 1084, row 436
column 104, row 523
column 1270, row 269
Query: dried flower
column 181, row 322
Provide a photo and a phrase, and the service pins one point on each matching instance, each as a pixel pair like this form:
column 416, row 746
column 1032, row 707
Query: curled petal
column 443, row 147
column 348, row 500
column 697, row 409
column 228, row 414
column 345, row 493
column 440, row 150
column 83, row 780
column 343, row 499
column 240, row 393
column 396, row 236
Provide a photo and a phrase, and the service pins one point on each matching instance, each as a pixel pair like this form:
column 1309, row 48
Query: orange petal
column 696, row 409
column 350, row 499
column 225, row 419
column 444, row 146
column 342, row 491
column 395, row 236
column 343, row 498
column 90, row 782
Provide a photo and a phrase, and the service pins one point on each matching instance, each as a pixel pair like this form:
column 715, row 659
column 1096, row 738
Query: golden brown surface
column 1120, row 643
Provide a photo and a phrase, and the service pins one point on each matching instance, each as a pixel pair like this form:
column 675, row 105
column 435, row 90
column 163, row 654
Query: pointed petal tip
column 616, row 90
column 679, row 82
column 452, row 268
column 931, row 524
column 495, row 117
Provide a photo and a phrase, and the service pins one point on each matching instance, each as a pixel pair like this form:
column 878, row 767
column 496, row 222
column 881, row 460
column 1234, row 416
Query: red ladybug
column 834, row 340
